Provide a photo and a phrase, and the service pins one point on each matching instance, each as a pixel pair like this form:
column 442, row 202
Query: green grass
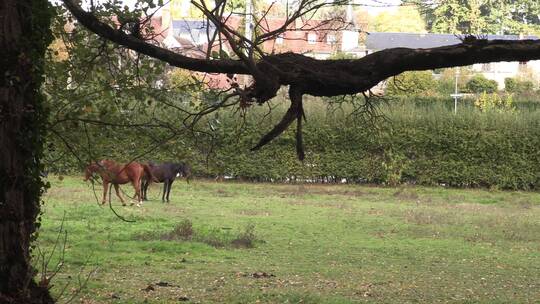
column 312, row 244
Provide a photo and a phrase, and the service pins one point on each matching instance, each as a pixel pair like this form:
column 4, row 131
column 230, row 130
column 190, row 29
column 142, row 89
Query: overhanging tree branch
column 306, row 75
column 329, row 77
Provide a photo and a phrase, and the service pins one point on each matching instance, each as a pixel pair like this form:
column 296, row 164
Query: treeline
column 414, row 143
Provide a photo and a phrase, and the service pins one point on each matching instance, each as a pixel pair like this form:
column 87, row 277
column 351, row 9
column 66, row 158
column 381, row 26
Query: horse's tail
column 186, row 172
column 151, row 178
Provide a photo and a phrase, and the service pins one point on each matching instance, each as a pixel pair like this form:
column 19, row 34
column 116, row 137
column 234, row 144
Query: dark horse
column 119, row 174
column 166, row 173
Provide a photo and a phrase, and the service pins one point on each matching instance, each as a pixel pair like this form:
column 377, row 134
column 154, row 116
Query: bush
column 446, row 87
column 480, row 84
column 495, row 102
column 245, row 239
column 411, row 83
column 513, row 85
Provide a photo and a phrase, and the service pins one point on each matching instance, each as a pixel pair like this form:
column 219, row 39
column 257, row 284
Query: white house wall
column 349, row 40
column 534, row 66
column 499, row 71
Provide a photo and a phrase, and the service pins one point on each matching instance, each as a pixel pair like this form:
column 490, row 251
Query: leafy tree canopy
column 480, row 16
column 410, row 21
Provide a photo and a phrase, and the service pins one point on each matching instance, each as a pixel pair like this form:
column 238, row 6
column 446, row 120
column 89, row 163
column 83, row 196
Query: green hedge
column 426, row 145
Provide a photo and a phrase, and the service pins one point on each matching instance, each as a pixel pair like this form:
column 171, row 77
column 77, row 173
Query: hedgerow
column 416, row 143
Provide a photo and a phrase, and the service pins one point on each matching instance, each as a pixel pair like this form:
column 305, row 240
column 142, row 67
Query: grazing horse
column 119, row 174
column 166, row 173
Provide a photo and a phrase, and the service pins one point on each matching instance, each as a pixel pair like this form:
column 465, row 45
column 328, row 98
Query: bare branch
column 102, row 29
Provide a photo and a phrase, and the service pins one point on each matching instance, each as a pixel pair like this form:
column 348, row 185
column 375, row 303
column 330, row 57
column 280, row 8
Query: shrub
column 513, row 85
column 480, row 84
column 182, row 231
column 411, row 83
column 214, row 237
column 446, row 86
column 245, row 239
column 495, row 102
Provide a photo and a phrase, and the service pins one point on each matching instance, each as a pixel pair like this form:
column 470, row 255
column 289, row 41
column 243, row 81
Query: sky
column 378, row 6
column 372, row 6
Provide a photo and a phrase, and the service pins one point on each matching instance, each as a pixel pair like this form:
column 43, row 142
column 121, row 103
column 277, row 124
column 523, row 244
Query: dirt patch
column 223, row 193
column 424, row 217
column 319, row 190
column 252, row 212
column 339, row 192
column 63, row 193
column 216, row 237
column 406, row 194
column 525, row 204
column 331, row 204
column 376, row 212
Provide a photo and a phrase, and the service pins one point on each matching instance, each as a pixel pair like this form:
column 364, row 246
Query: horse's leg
column 144, row 189
column 105, row 189
column 169, row 189
column 117, row 190
column 164, row 190
column 137, row 185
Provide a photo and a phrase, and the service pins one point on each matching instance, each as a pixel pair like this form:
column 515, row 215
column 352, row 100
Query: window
column 312, row 38
column 331, row 39
column 279, row 39
column 486, row 67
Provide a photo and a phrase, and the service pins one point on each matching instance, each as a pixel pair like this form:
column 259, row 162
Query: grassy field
column 312, row 244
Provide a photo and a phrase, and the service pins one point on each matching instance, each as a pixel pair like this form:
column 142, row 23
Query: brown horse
column 119, row 174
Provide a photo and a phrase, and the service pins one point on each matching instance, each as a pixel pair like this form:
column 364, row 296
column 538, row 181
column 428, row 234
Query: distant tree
column 409, row 18
column 480, row 16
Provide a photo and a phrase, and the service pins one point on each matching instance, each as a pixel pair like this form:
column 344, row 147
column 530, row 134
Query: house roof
column 306, row 36
column 380, row 41
column 295, row 38
column 196, row 30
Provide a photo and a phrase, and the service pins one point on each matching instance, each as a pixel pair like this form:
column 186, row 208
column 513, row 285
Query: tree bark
column 24, row 36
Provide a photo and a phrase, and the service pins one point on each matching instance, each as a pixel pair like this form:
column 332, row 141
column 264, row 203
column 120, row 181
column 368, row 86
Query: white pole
column 249, row 18
column 456, row 91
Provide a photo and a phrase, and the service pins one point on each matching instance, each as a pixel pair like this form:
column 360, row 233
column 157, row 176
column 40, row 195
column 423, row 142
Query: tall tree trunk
column 24, row 37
